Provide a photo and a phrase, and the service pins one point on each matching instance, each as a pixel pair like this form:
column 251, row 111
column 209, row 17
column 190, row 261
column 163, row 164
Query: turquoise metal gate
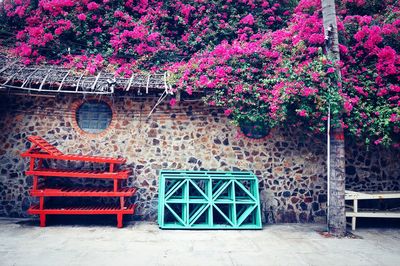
column 208, row 200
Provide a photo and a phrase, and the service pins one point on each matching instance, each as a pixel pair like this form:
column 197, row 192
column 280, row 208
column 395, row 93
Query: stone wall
column 289, row 165
column 372, row 168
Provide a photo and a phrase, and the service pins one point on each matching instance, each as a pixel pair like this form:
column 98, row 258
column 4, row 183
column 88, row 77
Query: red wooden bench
column 41, row 150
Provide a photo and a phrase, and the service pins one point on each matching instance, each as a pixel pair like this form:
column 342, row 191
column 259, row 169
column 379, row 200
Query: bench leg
column 122, row 202
column 119, row 220
column 41, row 203
column 353, row 223
column 354, row 219
column 35, row 182
column 116, row 185
column 42, row 220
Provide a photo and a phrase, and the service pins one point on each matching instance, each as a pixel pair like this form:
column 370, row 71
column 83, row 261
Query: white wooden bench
column 353, row 211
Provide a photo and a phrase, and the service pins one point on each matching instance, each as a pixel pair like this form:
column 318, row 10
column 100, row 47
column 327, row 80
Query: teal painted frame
column 208, row 200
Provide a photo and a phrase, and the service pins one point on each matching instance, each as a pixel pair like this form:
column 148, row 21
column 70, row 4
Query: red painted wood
column 42, row 220
column 119, row 220
column 35, row 182
column 41, row 150
column 32, row 163
column 44, row 145
column 122, row 174
column 116, row 185
column 71, row 157
column 41, row 202
column 122, row 202
column 44, row 150
column 83, row 192
column 82, row 210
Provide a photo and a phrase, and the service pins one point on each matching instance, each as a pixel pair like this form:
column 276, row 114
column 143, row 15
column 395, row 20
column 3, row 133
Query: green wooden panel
column 208, row 200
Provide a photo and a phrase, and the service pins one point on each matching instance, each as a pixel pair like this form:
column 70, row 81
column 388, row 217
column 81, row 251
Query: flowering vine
column 260, row 60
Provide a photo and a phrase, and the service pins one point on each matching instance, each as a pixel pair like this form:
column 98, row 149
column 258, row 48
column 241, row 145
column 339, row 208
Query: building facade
column 291, row 166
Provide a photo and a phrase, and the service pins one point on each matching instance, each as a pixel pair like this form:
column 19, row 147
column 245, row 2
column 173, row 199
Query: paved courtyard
column 24, row 243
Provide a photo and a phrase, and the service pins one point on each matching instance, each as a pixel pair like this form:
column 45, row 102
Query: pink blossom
column 315, row 76
column 302, row 113
column 153, row 36
column 307, row 91
column 360, row 90
column 118, row 14
column 316, row 39
column 185, row 37
column 59, row 31
column 20, row 35
column 92, row 70
column 220, row 72
column 348, row 106
column 249, row 20
column 394, row 88
column 82, row 17
column 330, row 70
column 386, row 61
column 25, row 49
column 172, row 102
column 48, row 37
column 92, row 6
column 203, row 80
column 228, row 112
column 239, row 88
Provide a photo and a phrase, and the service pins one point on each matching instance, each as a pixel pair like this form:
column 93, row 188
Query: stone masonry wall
column 290, row 166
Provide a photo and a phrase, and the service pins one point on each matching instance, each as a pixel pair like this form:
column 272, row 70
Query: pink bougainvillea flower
column 82, row 17
column 348, row 106
column 25, row 49
column 172, row 102
column 203, row 80
column 395, row 88
column 92, row 6
column 118, row 14
column 307, row 91
column 387, row 61
column 249, row 20
column 330, row 70
column 228, row 112
column 59, row 31
column 302, row 113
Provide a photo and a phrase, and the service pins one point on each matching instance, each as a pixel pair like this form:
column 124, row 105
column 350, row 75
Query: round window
column 94, row 116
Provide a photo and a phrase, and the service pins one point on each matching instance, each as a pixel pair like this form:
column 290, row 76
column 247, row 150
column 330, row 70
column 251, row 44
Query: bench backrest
column 44, row 145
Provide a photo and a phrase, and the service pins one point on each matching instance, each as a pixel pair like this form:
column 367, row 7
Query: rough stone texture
column 291, row 167
column 372, row 168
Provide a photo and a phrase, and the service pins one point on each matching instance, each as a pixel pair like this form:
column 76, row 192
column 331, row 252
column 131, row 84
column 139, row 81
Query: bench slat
column 377, row 214
column 123, row 174
column 83, row 192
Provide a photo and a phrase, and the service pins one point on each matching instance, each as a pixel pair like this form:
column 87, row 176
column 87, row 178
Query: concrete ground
column 24, row 243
